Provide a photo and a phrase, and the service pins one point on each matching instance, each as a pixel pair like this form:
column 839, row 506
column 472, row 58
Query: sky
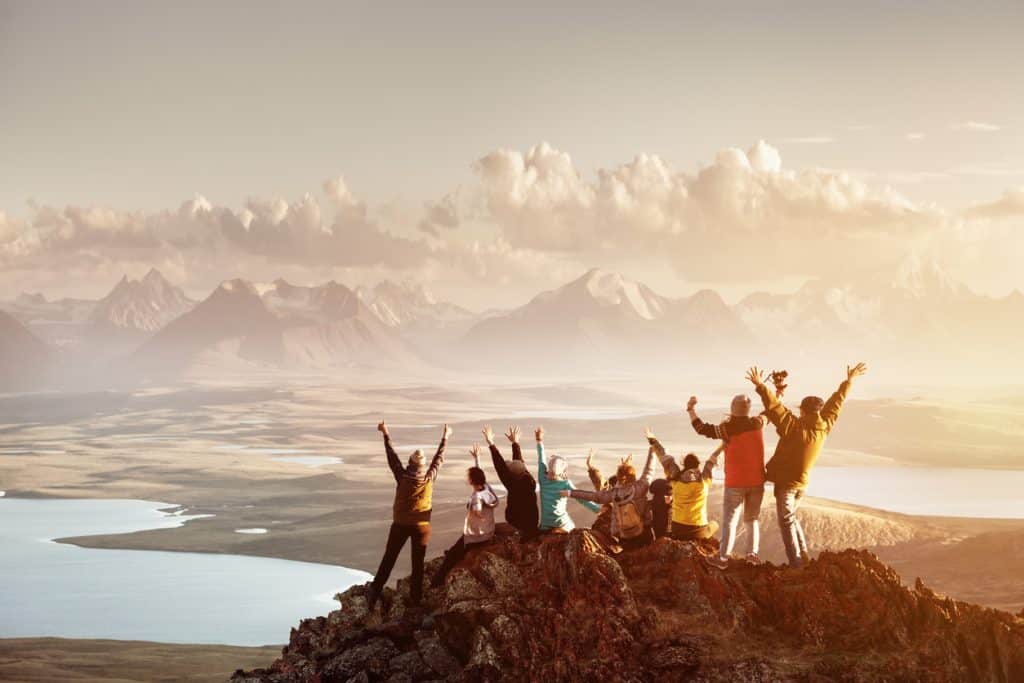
column 491, row 152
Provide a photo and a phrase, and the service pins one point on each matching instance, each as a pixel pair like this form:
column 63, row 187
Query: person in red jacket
column 743, row 437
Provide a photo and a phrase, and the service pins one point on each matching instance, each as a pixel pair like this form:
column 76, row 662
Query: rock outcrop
column 561, row 609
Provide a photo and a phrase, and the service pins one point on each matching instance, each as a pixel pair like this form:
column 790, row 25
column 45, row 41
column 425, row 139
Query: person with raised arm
column 690, row 486
column 414, row 488
column 553, row 475
column 801, row 439
column 743, row 437
column 478, row 527
column 627, row 501
column 521, row 505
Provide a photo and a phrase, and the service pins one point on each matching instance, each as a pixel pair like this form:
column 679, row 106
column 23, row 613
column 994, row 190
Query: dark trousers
column 419, row 534
column 453, row 556
column 787, row 502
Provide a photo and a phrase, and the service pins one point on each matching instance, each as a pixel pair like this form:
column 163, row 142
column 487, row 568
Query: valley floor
column 119, row 661
column 227, row 451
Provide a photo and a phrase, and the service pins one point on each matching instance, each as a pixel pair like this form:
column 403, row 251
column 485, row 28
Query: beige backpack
column 629, row 521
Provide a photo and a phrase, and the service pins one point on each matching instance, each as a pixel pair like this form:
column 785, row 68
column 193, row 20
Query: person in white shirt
column 478, row 529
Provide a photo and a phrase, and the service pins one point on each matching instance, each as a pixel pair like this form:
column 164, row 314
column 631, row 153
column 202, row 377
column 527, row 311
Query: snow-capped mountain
column 603, row 320
column 147, row 304
column 408, row 304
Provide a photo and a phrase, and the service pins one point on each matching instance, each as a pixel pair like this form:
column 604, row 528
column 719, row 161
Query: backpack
column 630, row 523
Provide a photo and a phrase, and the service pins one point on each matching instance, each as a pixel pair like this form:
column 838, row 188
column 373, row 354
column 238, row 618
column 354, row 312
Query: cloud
column 1009, row 205
column 915, row 137
column 810, row 140
column 719, row 222
column 530, row 219
column 442, row 214
column 976, row 126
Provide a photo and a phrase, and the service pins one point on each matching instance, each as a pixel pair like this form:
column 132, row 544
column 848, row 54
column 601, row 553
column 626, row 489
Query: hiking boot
column 717, row 562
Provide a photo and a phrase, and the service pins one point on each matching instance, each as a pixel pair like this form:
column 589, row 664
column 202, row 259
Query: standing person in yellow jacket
column 690, row 486
column 800, row 442
column 411, row 513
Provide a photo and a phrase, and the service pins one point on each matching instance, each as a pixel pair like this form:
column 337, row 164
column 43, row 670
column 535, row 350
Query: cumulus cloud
column 721, row 221
column 442, row 214
column 532, row 218
column 976, row 126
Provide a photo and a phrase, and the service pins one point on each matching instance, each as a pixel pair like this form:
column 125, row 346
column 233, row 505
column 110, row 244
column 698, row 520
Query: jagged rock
column 561, row 609
column 434, row 654
column 410, row 664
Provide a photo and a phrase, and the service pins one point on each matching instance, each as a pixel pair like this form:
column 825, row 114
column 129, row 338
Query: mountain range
column 601, row 322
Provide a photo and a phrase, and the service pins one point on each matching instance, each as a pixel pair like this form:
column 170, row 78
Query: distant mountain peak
column 923, row 276
column 612, row 289
column 147, row 304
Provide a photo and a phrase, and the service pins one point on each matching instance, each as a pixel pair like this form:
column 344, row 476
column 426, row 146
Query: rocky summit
column 563, row 609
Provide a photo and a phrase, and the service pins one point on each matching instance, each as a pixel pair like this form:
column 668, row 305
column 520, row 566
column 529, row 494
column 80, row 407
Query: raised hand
column 382, row 428
column 756, row 376
column 628, row 460
column 648, row 434
column 475, row 452
column 538, row 434
column 856, row 371
column 691, row 404
column 590, row 459
column 447, row 431
column 488, row 435
column 512, row 434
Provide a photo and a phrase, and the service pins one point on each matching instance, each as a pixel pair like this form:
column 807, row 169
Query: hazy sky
column 887, row 127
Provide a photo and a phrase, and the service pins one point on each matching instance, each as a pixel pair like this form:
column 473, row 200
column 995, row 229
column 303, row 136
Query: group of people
column 631, row 510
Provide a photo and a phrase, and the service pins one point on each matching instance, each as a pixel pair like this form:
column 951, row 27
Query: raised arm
column 699, row 425
column 393, row 462
column 711, row 464
column 668, row 463
column 500, row 466
column 542, row 467
column 778, row 414
column 593, row 473
column 513, row 436
column 830, row 412
column 435, row 464
column 648, row 470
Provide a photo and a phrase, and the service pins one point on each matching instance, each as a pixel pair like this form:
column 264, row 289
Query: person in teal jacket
column 553, row 477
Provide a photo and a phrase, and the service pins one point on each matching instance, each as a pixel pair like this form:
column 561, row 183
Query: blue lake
column 56, row 589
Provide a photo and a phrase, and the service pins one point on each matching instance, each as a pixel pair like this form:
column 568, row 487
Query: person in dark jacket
column 521, row 506
column 800, row 442
column 410, row 513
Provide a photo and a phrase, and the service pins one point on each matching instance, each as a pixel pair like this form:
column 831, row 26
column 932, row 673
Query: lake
column 939, row 491
column 57, row 589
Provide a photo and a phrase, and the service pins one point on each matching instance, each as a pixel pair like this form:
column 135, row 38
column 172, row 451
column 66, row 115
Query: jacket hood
column 691, row 474
column 416, row 471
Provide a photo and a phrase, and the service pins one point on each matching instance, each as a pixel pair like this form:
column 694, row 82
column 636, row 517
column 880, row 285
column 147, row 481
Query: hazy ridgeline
column 915, row 325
